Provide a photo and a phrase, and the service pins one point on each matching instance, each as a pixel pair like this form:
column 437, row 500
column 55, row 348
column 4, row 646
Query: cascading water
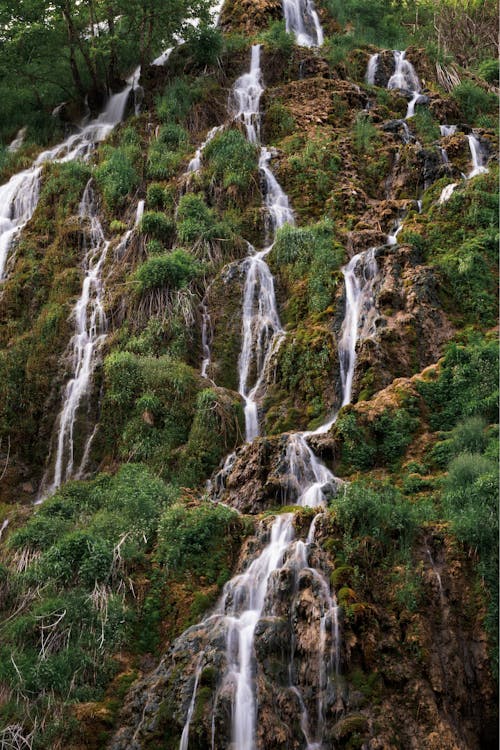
column 405, row 78
column 371, row 70
column 244, row 99
column 261, row 327
column 19, row 196
column 478, row 157
column 90, row 331
column 302, row 19
column 195, row 163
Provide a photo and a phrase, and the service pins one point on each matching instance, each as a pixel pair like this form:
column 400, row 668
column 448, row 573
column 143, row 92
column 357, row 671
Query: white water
column 19, row 197
column 18, row 141
column 90, row 332
column 244, row 98
column 406, row 79
column 195, row 163
column 301, row 19
column 478, row 157
column 185, row 732
column 261, row 327
column 371, row 70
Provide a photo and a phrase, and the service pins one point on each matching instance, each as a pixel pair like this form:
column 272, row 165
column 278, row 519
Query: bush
column 278, row 39
column 197, row 538
column 158, row 226
column 466, row 385
column 473, row 101
column 116, row 176
column 205, row 44
column 173, row 136
column 156, row 196
column 488, row 70
column 162, row 164
column 174, row 271
column 311, row 252
column 231, row 159
column 195, row 220
column 366, row 134
column 379, row 511
column 177, row 100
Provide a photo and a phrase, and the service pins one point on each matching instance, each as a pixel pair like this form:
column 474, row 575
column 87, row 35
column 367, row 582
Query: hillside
column 249, row 378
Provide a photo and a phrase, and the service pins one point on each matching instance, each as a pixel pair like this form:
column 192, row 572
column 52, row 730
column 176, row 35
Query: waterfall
column 405, row 78
column 478, row 157
column 261, row 327
column 185, row 732
column 371, row 70
column 19, row 196
column 90, row 331
column 301, row 19
column 244, row 98
column 195, row 163
column 206, row 338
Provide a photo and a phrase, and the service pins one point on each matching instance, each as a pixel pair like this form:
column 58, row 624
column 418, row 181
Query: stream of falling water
column 302, row 20
column 19, row 196
column 244, row 596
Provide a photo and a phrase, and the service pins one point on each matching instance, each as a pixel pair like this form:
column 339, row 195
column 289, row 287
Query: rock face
column 416, row 680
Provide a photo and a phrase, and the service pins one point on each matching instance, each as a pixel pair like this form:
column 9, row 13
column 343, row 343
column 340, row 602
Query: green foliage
column 173, row 136
column 205, row 45
column 279, row 121
column 488, row 69
column 376, row 22
column 65, row 180
column 426, row 125
column 312, row 166
column 381, row 442
column 174, row 271
column 158, row 226
column 179, row 97
column 474, row 101
column 366, row 135
column 116, row 175
column 231, row 159
column 278, row 39
column 312, row 253
column 378, row 511
column 162, row 164
column 198, row 538
column 196, row 222
column 156, row 196
column 466, row 385
column 217, row 427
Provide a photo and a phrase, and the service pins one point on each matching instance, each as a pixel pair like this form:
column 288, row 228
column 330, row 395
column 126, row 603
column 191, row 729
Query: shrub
column 156, row 196
column 466, row 385
column 173, row 136
column 470, row 435
column 158, row 226
column 177, row 100
column 162, row 164
column 311, row 252
column 195, row 220
column 205, row 44
column 231, row 159
column 365, row 134
column 278, row 39
column 279, row 121
column 197, row 538
column 473, row 101
column 379, row 511
column 488, row 69
column 116, row 176
column 426, row 125
column 175, row 271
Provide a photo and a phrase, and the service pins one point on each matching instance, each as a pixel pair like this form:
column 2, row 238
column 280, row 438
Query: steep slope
column 273, row 236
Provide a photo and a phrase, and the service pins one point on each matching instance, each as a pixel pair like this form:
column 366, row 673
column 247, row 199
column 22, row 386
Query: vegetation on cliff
column 98, row 580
